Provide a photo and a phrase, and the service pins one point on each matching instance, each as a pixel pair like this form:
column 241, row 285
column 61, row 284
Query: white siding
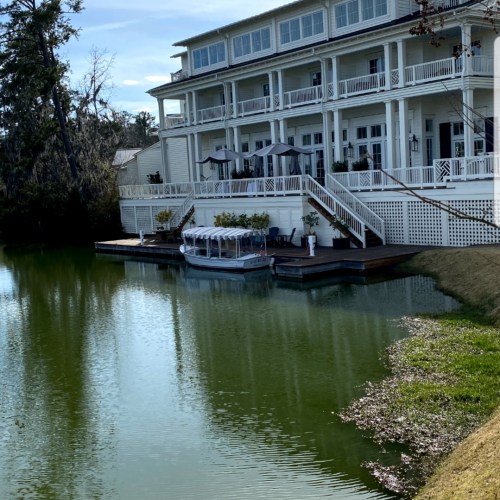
column 177, row 160
column 149, row 162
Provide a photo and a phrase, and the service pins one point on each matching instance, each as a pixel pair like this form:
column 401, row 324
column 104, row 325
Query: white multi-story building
column 346, row 80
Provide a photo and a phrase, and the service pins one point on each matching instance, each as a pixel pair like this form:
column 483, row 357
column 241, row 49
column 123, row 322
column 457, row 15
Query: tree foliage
column 57, row 143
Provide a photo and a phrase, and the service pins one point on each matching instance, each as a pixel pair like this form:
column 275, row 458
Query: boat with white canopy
column 226, row 248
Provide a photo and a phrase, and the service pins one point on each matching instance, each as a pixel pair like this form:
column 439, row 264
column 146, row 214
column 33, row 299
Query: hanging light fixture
column 350, row 150
column 414, row 143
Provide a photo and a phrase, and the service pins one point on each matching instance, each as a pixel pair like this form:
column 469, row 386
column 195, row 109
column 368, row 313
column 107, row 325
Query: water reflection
column 129, row 379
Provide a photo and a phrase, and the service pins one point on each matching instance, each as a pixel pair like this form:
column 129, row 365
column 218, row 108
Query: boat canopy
column 219, row 233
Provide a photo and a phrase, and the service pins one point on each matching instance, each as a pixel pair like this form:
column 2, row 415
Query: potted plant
column 342, row 227
column 163, row 218
column 340, row 166
column 310, row 220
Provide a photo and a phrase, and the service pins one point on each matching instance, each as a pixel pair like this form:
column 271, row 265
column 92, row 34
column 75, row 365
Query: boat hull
column 245, row 263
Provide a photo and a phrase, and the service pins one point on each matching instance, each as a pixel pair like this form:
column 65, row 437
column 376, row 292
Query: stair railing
column 336, row 207
column 371, row 219
column 183, row 209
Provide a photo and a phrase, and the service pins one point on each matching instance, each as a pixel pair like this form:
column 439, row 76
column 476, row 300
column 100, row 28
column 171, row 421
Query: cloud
column 130, row 82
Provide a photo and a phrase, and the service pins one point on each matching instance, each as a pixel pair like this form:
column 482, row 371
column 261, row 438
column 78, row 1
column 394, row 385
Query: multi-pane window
column 318, row 138
column 301, row 27
column 376, row 130
column 249, row 43
column 207, row 56
column 316, row 78
column 306, row 140
column 458, row 128
column 354, row 11
column 361, row 133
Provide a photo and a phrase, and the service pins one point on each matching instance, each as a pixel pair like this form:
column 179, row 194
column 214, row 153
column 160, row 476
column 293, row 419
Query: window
column 291, row 140
column 478, row 147
column 341, row 15
column 376, row 131
column 377, row 155
column 354, row 11
column 306, row 140
column 458, row 128
column 265, row 90
column 376, row 65
column 301, row 27
column 361, row 133
column 256, row 41
column 207, row 56
column 316, row 78
column 429, row 150
column 429, row 125
column 318, row 138
column 344, row 134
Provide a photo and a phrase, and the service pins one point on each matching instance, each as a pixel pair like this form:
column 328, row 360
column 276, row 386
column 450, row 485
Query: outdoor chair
column 287, row 240
column 272, row 236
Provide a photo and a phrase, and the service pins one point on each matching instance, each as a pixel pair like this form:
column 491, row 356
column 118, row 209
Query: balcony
column 416, row 74
column 440, row 173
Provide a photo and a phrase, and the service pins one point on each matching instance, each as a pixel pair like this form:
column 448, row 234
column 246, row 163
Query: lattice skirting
column 140, row 218
column 418, row 223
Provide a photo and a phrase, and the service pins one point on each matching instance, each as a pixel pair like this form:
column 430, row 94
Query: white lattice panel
column 466, row 232
column 425, row 227
column 144, row 219
column 392, row 214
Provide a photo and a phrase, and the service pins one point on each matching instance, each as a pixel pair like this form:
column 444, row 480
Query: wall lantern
column 350, row 150
column 414, row 143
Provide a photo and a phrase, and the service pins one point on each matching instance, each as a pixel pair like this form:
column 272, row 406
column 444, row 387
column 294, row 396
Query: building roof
column 123, row 156
column 242, row 22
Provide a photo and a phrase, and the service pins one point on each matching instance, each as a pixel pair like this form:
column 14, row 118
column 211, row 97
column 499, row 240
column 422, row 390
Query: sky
column 139, row 36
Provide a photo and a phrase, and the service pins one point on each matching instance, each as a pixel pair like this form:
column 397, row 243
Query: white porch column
column 339, row 143
column 274, row 138
column 161, row 111
column 468, row 118
column 270, row 77
column 283, row 129
column 404, row 144
column 237, row 147
column 466, row 49
column 401, row 62
column 195, row 107
column 388, row 65
column 327, row 141
column 280, row 89
column 197, row 155
column 165, row 171
column 193, row 167
column 391, row 133
column 234, row 92
column 335, row 77
column 187, row 108
column 227, row 99
column 324, row 79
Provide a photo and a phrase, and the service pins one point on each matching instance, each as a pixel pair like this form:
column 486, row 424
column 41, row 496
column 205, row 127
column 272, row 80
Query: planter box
column 341, row 243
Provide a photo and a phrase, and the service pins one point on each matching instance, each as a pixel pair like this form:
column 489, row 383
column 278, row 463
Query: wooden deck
column 289, row 263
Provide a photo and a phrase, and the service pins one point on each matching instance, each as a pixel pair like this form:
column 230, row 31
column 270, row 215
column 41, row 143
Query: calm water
column 135, row 380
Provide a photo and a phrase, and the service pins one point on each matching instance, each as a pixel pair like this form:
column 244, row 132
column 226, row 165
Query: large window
column 207, row 56
column 252, row 42
column 355, row 11
column 301, row 27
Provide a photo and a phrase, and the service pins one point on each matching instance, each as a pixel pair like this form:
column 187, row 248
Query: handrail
column 336, row 207
column 135, row 191
column 183, row 209
column 371, row 219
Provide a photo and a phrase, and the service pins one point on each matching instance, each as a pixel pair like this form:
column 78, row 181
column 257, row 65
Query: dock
column 292, row 263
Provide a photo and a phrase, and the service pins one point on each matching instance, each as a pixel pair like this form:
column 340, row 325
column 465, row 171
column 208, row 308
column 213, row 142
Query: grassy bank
column 445, row 385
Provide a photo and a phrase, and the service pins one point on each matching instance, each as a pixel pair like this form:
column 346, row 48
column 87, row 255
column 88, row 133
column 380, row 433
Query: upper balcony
column 417, row 74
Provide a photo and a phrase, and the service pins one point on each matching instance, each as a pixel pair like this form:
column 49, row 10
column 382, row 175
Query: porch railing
column 174, row 121
column 482, row 65
column 253, row 106
column 361, row 84
column 179, row 190
column 303, row 96
column 437, row 175
column 211, row 114
column 435, row 70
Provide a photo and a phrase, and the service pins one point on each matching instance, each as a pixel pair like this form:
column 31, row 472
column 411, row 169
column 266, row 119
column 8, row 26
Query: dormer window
column 210, row 55
column 301, row 27
column 355, row 11
column 255, row 41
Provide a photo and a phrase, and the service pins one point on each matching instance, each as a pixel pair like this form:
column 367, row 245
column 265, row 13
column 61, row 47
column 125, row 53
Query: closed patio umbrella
column 294, row 167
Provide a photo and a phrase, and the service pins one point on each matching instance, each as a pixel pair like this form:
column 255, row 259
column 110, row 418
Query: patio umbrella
column 279, row 149
column 221, row 156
